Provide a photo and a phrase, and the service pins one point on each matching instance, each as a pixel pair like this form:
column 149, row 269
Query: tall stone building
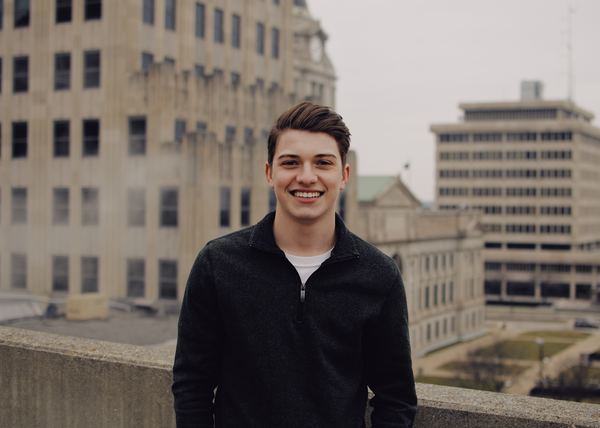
column 440, row 257
column 133, row 131
column 531, row 167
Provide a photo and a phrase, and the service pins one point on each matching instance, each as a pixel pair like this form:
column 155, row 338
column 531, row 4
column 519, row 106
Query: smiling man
column 285, row 324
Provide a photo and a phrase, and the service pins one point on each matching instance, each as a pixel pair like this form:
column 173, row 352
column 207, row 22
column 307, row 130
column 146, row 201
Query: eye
column 289, row 163
column 324, row 163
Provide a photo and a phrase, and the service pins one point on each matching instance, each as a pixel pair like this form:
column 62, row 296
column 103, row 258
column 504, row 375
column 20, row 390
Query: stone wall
column 55, row 381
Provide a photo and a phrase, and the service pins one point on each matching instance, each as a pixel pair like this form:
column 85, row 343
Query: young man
column 292, row 319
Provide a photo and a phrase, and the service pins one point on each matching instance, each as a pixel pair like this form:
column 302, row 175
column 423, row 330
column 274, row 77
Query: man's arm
column 388, row 363
column 197, row 358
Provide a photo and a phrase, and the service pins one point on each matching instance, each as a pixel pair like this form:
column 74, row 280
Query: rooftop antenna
column 570, row 76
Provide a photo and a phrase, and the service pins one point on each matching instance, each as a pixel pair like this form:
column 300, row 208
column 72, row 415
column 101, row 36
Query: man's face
column 307, row 175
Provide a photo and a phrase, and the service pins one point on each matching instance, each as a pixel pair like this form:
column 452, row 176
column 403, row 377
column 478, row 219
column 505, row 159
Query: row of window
column 551, row 229
column 136, row 206
column 440, row 295
column 554, row 192
column 495, row 266
column 509, row 173
column 528, row 289
column 62, row 71
column 509, row 155
column 63, row 9
column 90, row 129
column 547, row 210
column 511, row 114
column 479, row 137
column 90, row 273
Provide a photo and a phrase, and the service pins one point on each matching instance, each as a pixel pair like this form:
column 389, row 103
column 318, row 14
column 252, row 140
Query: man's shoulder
column 372, row 258
column 234, row 240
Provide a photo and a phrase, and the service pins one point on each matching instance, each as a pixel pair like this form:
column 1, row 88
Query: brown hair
column 310, row 117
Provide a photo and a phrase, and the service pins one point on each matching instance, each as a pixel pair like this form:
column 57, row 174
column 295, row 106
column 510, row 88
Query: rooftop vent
column 531, row 90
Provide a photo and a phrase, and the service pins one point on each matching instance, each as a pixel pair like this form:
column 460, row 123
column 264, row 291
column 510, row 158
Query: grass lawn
column 448, row 381
column 443, row 348
column 549, row 335
column 464, row 366
column 523, row 349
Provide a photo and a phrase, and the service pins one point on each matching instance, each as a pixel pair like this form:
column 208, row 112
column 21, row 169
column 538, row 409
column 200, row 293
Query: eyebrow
column 320, row 155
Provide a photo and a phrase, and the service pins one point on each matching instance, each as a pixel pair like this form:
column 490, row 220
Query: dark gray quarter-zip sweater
column 279, row 362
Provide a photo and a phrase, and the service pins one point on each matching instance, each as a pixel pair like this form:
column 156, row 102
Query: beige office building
column 133, row 131
column 531, row 167
column 439, row 254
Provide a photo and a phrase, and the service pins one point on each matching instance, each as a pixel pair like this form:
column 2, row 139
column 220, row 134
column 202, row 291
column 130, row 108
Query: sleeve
column 388, row 362
column 197, row 357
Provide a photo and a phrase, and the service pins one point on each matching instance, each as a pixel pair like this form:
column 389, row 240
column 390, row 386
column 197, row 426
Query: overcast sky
column 405, row 64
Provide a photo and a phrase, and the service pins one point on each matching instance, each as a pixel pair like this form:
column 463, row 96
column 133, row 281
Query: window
column 168, row 207
column 1, row 13
column 236, row 25
column 200, row 17
column 136, row 207
column 583, row 291
column 89, row 206
column 60, row 205
column 170, row 13
column 230, row 132
column 0, row 58
column 20, row 74
column 435, row 295
column 245, row 207
column 451, row 292
column 170, row 61
column 22, row 13
column 89, row 274
column 93, row 9
column 180, row 127
column 199, row 70
column 91, row 69
column 91, row 137
column 147, row 61
column 555, row 290
column 135, row 277
column 19, row 140
column 19, row 205
column 63, row 11
column 225, row 207
column 218, row 36
column 148, row 12
column 62, row 71
column 274, row 42
column 61, row 137
column 18, row 273
column 137, row 135
column 493, row 287
column 426, row 297
column 201, row 127
column 520, row 288
column 260, row 38
column 167, row 279
column 60, row 273
column 235, row 79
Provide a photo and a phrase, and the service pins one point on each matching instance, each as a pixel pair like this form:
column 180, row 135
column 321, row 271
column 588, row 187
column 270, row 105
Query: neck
column 301, row 239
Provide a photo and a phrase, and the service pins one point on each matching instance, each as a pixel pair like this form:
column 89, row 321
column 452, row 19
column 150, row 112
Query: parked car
column 585, row 323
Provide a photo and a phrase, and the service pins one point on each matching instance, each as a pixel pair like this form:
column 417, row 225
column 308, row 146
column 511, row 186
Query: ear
column 345, row 176
column 269, row 174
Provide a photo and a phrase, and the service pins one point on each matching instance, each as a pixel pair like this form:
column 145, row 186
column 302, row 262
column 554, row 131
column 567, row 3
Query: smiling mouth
column 306, row 195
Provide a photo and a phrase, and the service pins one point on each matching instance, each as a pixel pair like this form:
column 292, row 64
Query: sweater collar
column 263, row 238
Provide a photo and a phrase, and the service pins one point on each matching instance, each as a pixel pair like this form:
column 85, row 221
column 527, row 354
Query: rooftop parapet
column 57, row 381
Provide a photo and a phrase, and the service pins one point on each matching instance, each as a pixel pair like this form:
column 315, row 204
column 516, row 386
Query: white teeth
column 307, row 194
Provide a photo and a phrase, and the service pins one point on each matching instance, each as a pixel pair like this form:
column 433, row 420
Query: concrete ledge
column 56, row 381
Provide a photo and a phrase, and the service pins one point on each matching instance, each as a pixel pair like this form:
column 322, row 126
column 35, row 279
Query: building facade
column 531, row 168
column 132, row 132
column 440, row 257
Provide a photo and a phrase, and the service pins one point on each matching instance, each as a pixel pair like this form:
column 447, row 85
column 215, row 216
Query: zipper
column 302, row 292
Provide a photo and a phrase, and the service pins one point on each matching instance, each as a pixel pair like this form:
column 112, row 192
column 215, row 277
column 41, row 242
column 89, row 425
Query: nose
column 307, row 174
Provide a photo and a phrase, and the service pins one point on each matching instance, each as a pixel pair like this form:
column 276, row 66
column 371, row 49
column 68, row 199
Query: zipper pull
column 302, row 292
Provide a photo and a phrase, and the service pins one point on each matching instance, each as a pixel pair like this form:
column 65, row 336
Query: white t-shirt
column 306, row 265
